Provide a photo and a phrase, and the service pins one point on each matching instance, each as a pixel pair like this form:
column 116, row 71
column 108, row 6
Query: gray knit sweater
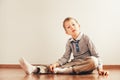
column 86, row 49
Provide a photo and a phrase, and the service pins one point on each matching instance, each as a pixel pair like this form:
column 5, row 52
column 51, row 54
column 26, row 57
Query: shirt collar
column 78, row 38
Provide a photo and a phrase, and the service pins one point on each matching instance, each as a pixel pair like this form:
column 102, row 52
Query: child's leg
column 78, row 66
column 87, row 65
column 42, row 69
column 27, row 67
column 68, row 70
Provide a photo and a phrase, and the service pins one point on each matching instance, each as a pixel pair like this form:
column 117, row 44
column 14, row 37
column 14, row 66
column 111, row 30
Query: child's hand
column 52, row 66
column 103, row 73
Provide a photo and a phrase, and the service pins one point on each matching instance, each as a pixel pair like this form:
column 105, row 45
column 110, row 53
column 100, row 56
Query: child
column 86, row 58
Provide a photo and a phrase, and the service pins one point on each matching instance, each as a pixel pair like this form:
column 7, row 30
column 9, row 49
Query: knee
column 94, row 61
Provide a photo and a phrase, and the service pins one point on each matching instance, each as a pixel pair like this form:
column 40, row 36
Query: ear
column 79, row 26
column 67, row 33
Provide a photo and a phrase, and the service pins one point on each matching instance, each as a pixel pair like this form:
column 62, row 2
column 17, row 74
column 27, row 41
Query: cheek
column 77, row 27
column 68, row 32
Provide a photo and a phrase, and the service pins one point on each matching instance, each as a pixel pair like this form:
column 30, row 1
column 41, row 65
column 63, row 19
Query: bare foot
column 27, row 67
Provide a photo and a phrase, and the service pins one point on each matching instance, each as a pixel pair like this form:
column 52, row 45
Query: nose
column 71, row 27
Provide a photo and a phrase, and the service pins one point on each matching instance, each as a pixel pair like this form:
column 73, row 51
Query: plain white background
column 33, row 28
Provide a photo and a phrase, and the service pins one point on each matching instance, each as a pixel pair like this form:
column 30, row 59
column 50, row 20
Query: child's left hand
column 103, row 73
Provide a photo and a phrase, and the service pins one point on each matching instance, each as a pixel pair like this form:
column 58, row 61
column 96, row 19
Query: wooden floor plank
column 18, row 66
column 18, row 74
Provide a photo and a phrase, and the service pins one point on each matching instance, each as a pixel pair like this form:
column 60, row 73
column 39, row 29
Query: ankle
column 36, row 70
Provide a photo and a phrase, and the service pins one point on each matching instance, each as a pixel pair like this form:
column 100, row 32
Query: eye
column 73, row 24
column 68, row 27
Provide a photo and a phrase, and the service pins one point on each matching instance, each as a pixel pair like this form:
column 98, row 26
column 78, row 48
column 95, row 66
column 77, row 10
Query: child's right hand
column 52, row 66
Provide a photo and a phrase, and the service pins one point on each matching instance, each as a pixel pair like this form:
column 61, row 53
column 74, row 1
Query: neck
column 75, row 35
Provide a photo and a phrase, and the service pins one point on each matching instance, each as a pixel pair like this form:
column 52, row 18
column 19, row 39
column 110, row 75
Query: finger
column 50, row 68
column 103, row 73
column 106, row 73
column 100, row 73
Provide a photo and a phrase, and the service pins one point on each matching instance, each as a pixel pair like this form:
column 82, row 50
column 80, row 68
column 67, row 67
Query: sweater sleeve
column 65, row 58
column 93, row 51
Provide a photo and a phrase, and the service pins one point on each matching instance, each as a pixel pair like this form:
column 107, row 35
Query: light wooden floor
column 18, row 74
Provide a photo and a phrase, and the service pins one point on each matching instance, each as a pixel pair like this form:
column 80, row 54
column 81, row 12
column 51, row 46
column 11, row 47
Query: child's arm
column 94, row 52
column 64, row 59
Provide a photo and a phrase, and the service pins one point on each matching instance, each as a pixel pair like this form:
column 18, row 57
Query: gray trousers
column 81, row 65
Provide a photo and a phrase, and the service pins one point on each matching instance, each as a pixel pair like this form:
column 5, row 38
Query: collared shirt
column 86, row 49
column 75, row 43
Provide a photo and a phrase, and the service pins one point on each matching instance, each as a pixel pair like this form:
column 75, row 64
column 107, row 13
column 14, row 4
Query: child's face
column 71, row 27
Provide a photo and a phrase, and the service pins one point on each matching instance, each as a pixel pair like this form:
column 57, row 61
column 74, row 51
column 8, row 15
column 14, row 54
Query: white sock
column 27, row 67
column 63, row 70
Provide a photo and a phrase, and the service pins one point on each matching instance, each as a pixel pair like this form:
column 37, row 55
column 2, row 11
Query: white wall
column 33, row 28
